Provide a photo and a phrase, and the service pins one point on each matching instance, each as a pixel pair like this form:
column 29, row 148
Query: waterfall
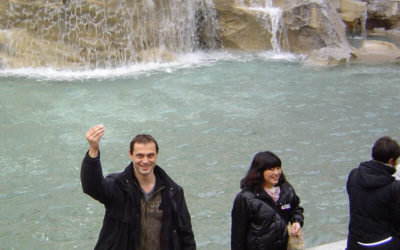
column 271, row 18
column 364, row 18
column 108, row 33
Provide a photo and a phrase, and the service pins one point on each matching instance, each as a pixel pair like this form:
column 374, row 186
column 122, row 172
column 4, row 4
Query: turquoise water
column 210, row 113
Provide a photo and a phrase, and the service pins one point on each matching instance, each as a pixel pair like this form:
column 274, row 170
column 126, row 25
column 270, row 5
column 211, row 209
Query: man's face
column 144, row 157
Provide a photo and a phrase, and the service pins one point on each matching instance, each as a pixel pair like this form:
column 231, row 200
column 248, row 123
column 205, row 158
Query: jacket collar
column 262, row 195
column 128, row 178
column 374, row 174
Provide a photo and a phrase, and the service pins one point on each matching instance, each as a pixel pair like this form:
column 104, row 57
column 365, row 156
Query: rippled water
column 210, row 117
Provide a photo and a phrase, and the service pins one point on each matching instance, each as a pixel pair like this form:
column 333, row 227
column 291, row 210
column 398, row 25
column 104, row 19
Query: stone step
column 338, row 245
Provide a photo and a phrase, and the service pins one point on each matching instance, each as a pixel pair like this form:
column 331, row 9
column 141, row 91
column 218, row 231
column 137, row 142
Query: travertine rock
column 108, row 33
column 377, row 52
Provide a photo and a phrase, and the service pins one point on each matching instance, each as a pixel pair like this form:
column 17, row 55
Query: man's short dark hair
column 142, row 138
column 384, row 149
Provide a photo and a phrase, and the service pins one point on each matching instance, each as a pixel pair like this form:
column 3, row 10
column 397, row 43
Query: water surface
column 210, row 116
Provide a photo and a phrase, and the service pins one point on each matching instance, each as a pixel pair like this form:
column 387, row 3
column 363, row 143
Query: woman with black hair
column 266, row 205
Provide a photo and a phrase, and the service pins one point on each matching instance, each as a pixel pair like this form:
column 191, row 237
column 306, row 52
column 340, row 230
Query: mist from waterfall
column 271, row 18
column 110, row 33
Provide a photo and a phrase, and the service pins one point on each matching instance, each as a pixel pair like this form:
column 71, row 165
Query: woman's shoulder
column 287, row 189
column 245, row 194
column 286, row 185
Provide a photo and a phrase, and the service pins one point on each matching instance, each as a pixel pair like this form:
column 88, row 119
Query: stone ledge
column 338, row 245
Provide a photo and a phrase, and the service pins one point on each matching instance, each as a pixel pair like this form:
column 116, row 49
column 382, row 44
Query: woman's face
column 271, row 176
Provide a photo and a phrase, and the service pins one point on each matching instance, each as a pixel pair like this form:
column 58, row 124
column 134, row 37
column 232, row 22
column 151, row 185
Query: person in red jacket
column 145, row 208
column 374, row 200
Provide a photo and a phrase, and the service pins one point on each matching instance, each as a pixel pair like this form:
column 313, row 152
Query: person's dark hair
column 384, row 149
column 142, row 138
column 261, row 161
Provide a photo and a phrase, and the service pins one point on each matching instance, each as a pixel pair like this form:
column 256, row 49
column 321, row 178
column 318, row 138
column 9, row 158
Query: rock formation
column 374, row 14
column 377, row 52
column 109, row 33
column 308, row 27
column 383, row 14
column 354, row 14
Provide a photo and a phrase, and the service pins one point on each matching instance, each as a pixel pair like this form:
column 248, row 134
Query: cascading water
column 107, row 33
column 364, row 18
column 271, row 17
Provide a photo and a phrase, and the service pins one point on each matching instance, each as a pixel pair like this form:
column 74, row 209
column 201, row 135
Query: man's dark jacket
column 374, row 204
column 258, row 223
column 120, row 193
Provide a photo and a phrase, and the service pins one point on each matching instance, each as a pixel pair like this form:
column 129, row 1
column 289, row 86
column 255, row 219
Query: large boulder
column 313, row 25
column 377, row 52
column 240, row 28
column 329, row 56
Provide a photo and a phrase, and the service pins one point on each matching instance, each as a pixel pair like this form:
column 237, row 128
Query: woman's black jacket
column 121, row 196
column 258, row 223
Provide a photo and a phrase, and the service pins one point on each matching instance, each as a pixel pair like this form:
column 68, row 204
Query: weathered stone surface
column 314, row 26
column 352, row 11
column 354, row 14
column 309, row 25
column 383, row 13
column 372, row 13
column 383, row 8
column 377, row 52
column 66, row 33
column 330, row 56
column 338, row 245
column 240, row 28
column 102, row 33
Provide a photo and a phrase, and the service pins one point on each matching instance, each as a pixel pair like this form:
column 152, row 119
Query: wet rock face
column 383, row 8
column 91, row 33
column 354, row 14
column 307, row 25
column 378, row 14
column 240, row 28
column 383, row 14
column 314, row 26
column 111, row 33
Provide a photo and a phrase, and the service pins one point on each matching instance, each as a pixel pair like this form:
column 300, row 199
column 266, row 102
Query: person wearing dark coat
column 144, row 207
column 374, row 200
column 263, row 209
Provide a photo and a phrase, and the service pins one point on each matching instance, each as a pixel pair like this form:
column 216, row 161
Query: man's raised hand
column 93, row 137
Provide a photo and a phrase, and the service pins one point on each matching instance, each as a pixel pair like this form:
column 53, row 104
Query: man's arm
column 93, row 137
column 184, row 224
column 91, row 173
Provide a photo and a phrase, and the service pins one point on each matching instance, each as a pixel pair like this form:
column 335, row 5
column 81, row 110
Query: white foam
column 282, row 56
column 187, row 60
column 48, row 73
